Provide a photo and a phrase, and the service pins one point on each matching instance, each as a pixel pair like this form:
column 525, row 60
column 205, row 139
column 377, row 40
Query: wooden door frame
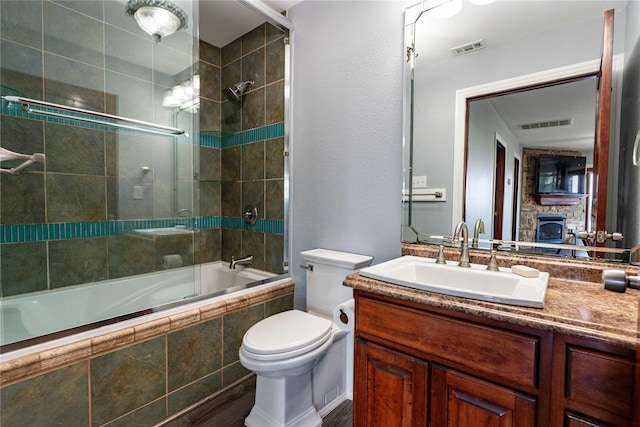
column 515, row 203
column 499, row 183
column 465, row 95
column 603, row 126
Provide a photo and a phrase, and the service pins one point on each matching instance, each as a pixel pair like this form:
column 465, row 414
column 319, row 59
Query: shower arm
column 94, row 116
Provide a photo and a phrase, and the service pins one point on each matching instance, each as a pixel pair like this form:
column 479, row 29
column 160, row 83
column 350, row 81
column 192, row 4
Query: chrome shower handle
column 250, row 215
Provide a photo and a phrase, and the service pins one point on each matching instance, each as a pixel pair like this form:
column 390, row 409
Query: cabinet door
column 459, row 400
column 390, row 388
column 593, row 383
column 574, row 420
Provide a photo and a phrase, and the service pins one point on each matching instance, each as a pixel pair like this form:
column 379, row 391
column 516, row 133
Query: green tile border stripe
column 205, row 139
column 272, row 226
column 214, row 140
column 258, row 134
column 23, row 233
column 208, row 140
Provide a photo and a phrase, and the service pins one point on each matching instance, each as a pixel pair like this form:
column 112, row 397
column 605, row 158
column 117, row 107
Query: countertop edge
column 534, row 318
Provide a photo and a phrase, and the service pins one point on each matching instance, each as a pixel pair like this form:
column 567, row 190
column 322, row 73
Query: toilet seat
column 285, row 335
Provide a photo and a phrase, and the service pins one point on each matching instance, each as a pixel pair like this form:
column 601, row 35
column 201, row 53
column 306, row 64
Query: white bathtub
column 37, row 314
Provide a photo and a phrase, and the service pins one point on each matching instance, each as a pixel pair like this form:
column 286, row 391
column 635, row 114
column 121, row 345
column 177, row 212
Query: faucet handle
column 493, row 262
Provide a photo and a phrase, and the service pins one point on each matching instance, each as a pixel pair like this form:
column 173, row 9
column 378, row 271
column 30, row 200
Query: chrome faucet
column 477, row 231
column 248, row 260
column 461, row 229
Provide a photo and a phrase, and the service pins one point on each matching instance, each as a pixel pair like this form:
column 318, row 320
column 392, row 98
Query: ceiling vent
column 546, row 124
column 469, row 47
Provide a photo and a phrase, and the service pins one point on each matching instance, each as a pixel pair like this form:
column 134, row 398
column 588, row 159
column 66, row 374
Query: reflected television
column 561, row 175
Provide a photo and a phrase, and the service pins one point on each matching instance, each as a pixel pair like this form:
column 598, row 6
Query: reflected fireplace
column 550, row 228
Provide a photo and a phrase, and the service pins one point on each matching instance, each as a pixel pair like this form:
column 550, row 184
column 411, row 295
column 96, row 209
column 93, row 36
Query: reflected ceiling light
column 158, row 18
column 185, row 96
column 446, row 9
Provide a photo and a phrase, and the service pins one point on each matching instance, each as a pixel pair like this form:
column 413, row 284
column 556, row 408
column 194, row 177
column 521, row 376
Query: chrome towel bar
column 73, row 113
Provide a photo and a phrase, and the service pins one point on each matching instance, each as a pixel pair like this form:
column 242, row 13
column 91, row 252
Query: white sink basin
column 476, row 282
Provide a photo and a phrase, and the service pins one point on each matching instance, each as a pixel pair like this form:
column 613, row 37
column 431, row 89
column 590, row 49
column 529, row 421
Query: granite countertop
column 572, row 307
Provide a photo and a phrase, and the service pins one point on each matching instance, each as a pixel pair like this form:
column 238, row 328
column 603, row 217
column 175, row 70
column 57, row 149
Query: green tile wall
column 84, row 196
column 68, row 224
column 248, row 153
column 141, row 384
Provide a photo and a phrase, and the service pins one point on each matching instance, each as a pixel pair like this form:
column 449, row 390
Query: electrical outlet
column 419, row 181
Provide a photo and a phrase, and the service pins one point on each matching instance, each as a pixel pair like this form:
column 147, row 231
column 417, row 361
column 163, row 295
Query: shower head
column 234, row 93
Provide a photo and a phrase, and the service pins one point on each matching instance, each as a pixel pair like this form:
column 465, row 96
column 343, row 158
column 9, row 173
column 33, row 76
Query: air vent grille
column 546, row 124
column 469, row 47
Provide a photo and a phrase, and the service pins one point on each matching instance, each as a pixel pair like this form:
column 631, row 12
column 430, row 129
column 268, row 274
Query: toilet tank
column 324, row 281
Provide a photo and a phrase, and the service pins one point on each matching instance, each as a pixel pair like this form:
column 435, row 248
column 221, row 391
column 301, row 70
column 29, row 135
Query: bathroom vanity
column 423, row 358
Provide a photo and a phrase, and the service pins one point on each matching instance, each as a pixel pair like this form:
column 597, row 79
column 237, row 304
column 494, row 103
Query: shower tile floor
column 230, row 410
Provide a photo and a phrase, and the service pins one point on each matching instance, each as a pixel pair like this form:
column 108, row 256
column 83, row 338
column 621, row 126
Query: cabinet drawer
column 490, row 352
column 601, row 380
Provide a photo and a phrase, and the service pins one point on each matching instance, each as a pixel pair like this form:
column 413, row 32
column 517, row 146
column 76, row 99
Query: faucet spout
column 477, row 231
column 248, row 260
column 462, row 232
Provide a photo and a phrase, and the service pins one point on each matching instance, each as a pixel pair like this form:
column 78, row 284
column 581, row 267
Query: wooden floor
column 342, row 416
column 231, row 408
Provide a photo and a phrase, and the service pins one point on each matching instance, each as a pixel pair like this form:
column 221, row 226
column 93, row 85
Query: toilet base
column 284, row 402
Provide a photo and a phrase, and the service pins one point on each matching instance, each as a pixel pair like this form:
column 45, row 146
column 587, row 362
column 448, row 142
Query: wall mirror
column 484, row 103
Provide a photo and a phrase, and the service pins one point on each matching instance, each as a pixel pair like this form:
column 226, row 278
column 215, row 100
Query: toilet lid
column 286, row 332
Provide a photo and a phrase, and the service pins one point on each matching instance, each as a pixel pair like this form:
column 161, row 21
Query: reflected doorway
column 498, row 204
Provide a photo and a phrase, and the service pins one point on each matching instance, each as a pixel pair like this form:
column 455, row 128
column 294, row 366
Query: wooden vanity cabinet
column 393, row 387
column 416, row 365
column 593, row 384
column 459, row 400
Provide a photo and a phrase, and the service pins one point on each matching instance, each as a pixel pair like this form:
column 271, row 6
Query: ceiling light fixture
column 158, row 18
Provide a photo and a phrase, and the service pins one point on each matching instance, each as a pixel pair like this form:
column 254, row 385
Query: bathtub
column 45, row 316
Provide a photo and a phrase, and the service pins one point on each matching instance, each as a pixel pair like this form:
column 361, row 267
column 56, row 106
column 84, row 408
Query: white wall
column 346, row 151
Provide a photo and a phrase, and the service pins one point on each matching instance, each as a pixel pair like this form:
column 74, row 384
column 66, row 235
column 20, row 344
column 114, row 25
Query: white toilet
column 303, row 360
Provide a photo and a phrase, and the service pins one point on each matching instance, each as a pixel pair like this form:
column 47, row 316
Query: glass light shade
column 196, row 84
column 156, row 21
column 169, row 100
column 188, row 90
column 446, row 10
column 178, row 93
column 190, row 106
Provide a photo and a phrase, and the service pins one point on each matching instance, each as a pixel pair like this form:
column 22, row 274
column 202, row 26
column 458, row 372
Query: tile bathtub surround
column 144, row 373
column 90, row 174
column 244, row 170
column 60, row 397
